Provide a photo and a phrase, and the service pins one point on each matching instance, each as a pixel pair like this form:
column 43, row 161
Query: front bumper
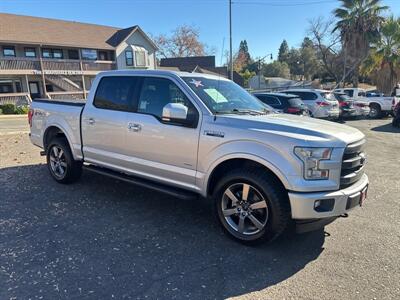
column 302, row 204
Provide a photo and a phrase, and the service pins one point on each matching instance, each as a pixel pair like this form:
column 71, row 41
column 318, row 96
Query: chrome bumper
column 302, row 204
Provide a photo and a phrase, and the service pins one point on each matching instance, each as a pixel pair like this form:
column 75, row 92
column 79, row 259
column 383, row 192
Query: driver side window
column 158, row 92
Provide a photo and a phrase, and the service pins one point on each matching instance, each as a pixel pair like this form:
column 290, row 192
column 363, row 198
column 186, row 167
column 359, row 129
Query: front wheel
column 252, row 207
column 62, row 166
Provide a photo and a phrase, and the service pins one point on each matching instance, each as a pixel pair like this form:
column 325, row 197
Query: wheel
column 251, row 207
column 62, row 166
column 375, row 111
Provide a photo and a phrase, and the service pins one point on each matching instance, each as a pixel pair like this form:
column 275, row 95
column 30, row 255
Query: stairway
column 63, row 83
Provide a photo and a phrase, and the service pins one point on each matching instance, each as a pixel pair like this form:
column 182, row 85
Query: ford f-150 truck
column 192, row 135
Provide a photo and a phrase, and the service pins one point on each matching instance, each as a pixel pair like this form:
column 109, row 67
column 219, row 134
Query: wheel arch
column 243, row 161
column 52, row 132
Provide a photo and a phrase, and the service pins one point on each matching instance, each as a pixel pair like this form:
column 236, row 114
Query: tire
column 60, row 162
column 273, row 219
column 375, row 111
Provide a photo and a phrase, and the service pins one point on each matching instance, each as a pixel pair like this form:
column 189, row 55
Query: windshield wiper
column 250, row 111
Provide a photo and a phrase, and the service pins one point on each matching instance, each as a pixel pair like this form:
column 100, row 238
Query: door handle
column 91, row 121
column 134, row 127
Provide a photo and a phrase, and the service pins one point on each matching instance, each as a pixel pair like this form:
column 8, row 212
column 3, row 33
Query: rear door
column 158, row 148
column 104, row 121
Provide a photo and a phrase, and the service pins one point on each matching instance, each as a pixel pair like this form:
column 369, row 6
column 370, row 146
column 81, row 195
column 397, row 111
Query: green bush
column 21, row 110
column 8, row 109
column 1, row 111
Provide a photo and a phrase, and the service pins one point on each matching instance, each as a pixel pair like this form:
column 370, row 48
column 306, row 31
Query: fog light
column 324, row 205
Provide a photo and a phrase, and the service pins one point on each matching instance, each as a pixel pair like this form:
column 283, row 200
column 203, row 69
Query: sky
column 263, row 23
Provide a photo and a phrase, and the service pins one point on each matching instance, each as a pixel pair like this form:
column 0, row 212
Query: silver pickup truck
column 192, row 135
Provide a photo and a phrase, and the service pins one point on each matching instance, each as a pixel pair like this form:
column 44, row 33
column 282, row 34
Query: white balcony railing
column 15, row 98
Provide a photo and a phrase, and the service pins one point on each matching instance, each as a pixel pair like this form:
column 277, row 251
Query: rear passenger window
column 116, row 93
column 272, row 101
column 349, row 93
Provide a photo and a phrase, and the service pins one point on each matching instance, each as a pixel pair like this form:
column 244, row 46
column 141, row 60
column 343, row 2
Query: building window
column 46, row 53
column 57, row 53
column 73, row 54
column 129, row 57
column 140, row 57
column 30, row 52
column 89, row 54
column 103, row 55
column 9, row 51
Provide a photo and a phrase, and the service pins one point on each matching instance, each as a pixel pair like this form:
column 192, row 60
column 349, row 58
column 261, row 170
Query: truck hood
column 313, row 132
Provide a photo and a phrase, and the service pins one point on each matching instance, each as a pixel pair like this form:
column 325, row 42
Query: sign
column 58, row 72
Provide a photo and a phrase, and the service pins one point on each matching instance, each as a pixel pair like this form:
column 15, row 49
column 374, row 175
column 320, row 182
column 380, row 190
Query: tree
column 295, row 64
column 308, row 59
column 385, row 56
column 283, row 53
column 358, row 23
column 276, row 69
column 183, row 42
column 246, row 76
column 242, row 59
column 328, row 46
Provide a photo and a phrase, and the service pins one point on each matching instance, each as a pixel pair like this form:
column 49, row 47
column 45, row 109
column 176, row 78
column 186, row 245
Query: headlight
column 311, row 158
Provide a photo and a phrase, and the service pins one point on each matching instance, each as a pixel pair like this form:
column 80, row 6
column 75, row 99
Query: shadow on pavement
column 101, row 238
column 386, row 128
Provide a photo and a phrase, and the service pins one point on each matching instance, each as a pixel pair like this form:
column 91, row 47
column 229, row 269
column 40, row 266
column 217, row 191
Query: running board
column 172, row 191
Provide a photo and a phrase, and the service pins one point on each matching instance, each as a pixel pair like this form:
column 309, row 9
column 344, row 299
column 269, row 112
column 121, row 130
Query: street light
column 260, row 60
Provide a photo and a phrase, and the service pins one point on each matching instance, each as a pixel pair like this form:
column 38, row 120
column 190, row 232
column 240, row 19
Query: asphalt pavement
column 105, row 239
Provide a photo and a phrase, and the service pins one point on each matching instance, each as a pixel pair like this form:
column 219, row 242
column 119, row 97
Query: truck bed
column 63, row 114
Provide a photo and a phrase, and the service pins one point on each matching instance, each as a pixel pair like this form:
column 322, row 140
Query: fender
column 262, row 154
column 75, row 147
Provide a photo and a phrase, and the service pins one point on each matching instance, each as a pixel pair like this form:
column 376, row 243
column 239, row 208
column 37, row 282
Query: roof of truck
column 160, row 72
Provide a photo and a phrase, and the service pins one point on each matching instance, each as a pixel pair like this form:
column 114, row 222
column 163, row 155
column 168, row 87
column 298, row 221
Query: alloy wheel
column 58, row 163
column 244, row 209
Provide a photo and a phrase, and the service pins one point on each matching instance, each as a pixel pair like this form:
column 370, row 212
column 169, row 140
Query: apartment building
column 58, row 59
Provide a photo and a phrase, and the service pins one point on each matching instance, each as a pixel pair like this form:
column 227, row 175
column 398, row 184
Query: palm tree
column 358, row 22
column 384, row 60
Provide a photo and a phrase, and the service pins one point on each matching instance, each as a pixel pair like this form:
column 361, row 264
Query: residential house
column 58, row 59
column 199, row 64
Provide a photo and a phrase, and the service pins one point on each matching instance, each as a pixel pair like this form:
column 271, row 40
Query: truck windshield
column 225, row 97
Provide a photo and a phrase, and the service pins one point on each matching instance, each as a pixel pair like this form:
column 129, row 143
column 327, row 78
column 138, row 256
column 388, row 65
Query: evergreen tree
column 283, row 54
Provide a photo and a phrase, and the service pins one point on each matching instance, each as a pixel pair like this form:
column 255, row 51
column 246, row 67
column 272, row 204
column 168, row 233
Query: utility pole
column 230, row 40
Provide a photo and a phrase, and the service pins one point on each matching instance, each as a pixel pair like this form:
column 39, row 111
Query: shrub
column 8, row 109
column 1, row 111
column 21, row 110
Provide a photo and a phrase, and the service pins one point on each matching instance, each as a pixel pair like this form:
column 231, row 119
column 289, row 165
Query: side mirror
column 174, row 112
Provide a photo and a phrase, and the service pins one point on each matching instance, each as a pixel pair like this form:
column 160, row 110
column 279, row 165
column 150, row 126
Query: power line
column 282, row 4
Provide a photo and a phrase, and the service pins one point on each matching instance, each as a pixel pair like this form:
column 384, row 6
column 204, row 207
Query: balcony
column 21, row 65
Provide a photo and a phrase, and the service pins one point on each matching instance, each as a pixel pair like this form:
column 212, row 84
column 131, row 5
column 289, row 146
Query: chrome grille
column 353, row 163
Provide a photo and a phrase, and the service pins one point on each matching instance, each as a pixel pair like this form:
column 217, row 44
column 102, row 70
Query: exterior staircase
column 63, row 83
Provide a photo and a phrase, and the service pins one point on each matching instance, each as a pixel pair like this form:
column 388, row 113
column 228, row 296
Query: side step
column 172, row 191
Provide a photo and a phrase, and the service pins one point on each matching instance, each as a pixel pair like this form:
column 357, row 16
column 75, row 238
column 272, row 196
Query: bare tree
column 329, row 46
column 183, row 42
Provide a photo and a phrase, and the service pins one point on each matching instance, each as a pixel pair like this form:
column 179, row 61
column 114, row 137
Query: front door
column 159, row 149
column 34, row 89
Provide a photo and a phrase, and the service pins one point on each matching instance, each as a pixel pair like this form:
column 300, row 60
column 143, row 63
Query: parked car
column 396, row 115
column 380, row 106
column 346, row 105
column 362, row 108
column 321, row 103
column 286, row 103
column 191, row 135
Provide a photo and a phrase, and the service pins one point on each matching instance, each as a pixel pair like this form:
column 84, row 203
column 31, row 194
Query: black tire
column 72, row 168
column 375, row 111
column 275, row 196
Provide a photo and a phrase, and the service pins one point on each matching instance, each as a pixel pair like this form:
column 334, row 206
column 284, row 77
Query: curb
column 13, row 116
column 13, row 133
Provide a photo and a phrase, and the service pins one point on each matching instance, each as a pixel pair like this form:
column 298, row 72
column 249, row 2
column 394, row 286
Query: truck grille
column 353, row 163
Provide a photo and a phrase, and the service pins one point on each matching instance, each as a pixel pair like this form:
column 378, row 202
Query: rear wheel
column 251, row 207
column 62, row 166
column 375, row 111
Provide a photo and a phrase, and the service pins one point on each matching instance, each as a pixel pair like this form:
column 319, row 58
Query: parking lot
column 104, row 239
